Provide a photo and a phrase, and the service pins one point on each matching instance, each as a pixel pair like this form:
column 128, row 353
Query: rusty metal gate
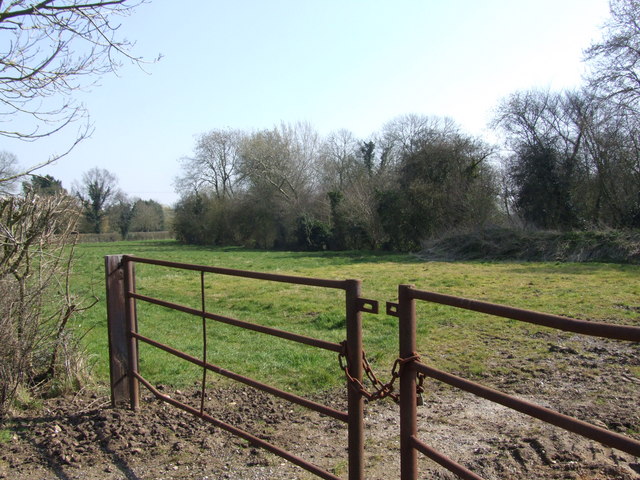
column 126, row 378
column 124, row 338
column 413, row 370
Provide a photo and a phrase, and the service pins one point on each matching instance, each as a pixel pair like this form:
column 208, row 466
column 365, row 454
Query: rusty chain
column 381, row 390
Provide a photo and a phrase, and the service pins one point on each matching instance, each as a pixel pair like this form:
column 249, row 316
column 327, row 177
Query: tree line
column 100, row 205
column 567, row 160
column 288, row 188
column 570, row 160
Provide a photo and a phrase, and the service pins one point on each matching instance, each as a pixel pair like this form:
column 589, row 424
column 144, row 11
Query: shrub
column 38, row 234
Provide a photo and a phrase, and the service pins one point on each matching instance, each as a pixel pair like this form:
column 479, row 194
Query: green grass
column 457, row 340
column 6, row 435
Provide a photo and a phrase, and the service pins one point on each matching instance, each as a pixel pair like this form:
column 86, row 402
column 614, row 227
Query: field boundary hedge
column 525, row 245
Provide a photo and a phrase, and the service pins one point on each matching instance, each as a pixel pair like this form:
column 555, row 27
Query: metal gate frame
column 412, row 367
column 126, row 378
column 124, row 338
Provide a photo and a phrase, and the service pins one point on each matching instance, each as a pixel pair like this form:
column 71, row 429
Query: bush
column 529, row 245
column 312, row 234
column 38, row 234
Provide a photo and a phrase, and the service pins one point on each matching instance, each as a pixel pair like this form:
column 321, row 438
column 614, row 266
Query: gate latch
column 392, row 309
column 367, row 306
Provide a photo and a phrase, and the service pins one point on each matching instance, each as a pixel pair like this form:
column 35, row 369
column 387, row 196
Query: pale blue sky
column 352, row 64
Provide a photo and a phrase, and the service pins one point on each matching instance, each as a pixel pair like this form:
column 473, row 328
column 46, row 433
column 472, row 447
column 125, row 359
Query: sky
column 353, row 64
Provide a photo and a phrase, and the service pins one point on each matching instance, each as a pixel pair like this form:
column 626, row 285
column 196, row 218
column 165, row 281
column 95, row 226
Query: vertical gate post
column 354, row 398
column 123, row 360
column 132, row 326
column 408, row 407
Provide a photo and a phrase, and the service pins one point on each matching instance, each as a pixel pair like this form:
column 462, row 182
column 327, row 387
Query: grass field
column 453, row 339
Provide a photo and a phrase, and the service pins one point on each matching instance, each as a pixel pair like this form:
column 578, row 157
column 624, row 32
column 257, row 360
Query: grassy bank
column 456, row 340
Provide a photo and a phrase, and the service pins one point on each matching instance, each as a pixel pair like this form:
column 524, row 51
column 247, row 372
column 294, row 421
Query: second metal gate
column 124, row 338
column 412, row 368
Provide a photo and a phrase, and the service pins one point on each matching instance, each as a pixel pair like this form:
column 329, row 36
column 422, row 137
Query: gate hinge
column 392, row 309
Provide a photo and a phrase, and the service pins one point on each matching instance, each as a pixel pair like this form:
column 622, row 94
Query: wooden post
column 122, row 360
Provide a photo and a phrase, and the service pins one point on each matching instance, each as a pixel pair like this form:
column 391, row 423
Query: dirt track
column 81, row 437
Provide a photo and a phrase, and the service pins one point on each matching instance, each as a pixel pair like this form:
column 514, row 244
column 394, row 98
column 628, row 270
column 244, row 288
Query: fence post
column 123, row 353
column 354, row 398
column 408, row 407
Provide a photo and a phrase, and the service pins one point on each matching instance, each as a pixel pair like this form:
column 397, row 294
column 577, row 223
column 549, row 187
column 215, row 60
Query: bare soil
column 82, row 437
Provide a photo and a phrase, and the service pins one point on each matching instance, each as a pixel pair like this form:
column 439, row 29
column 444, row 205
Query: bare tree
column 51, row 48
column 616, row 59
column 404, row 135
column 546, row 169
column 612, row 150
column 8, row 172
column 338, row 163
column 279, row 180
column 282, row 161
column 524, row 117
column 214, row 165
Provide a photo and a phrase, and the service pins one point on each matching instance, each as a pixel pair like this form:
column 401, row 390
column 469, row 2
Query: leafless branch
column 53, row 48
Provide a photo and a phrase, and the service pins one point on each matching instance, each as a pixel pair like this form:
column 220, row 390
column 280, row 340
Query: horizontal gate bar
column 338, row 415
column 314, row 342
column 619, row 332
column 585, row 429
column 312, row 282
column 443, row 460
column 240, row 433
